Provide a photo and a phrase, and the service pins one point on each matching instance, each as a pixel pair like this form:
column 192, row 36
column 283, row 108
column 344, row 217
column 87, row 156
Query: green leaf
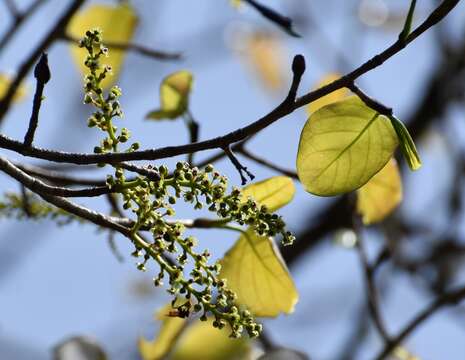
column 406, row 144
column 274, row 192
column 170, row 329
column 342, row 146
column 381, row 195
column 202, row 341
column 256, row 272
column 117, row 23
column 174, row 96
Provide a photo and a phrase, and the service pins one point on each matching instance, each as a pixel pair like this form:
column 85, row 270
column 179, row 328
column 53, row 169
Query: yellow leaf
column 274, row 192
column 117, row 23
column 174, row 96
column 342, row 146
column 256, row 272
column 202, row 341
column 381, row 195
column 330, row 98
column 265, row 55
column 170, row 329
column 5, row 82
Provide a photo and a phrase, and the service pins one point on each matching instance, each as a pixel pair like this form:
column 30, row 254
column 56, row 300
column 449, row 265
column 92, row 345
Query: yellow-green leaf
column 117, row 23
column 202, row 341
column 170, row 329
column 274, row 192
column 174, row 96
column 381, row 195
column 5, row 82
column 342, row 146
column 256, row 272
column 331, row 97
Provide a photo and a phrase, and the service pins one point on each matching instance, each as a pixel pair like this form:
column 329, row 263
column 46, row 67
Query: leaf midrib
column 349, row 145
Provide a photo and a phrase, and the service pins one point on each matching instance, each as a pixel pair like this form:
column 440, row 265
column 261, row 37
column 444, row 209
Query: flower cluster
column 108, row 107
column 151, row 200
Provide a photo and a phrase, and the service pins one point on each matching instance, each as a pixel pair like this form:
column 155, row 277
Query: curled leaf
column 117, row 23
column 406, row 144
column 381, row 195
column 342, row 146
column 174, row 96
column 256, row 272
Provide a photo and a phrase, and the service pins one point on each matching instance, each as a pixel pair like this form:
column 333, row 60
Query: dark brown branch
column 369, row 101
column 49, row 38
column 371, row 290
column 282, row 110
column 193, row 128
column 38, row 186
column 448, row 298
column 42, row 75
column 82, row 212
column 137, row 48
column 58, row 177
column 282, row 21
column 239, row 167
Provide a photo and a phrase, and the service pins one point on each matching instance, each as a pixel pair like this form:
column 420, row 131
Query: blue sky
column 57, row 282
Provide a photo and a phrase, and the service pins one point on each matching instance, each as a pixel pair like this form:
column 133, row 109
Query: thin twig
column 137, row 48
column 268, row 164
column 372, row 292
column 49, row 38
column 369, row 101
column 193, row 128
column 58, row 177
column 282, row 110
column 42, row 75
column 237, row 164
column 446, row 299
column 282, row 21
column 40, row 187
column 19, row 19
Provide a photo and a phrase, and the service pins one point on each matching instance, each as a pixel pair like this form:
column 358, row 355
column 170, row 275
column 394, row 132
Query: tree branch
column 448, row 298
column 18, row 20
column 372, row 292
column 282, row 110
column 40, row 187
column 42, row 75
column 51, row 36
column 137, row 48
column 268, row 164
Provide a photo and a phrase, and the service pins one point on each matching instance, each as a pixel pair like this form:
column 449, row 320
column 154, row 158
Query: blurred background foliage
column 56, row 283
